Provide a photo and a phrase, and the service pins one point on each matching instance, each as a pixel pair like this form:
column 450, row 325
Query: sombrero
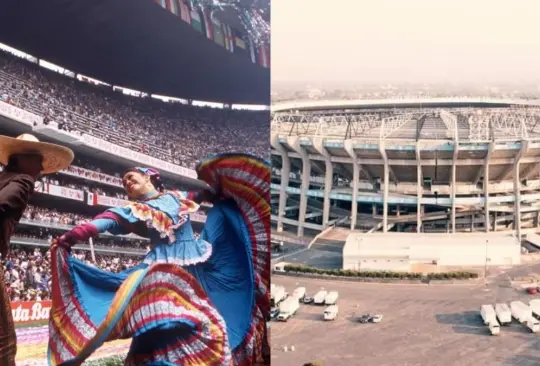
column 55, row 157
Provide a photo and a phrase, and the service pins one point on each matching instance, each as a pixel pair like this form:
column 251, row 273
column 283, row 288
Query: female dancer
column 191, row 301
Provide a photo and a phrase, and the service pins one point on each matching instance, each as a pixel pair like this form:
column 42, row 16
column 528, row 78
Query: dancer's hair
column 155, row 178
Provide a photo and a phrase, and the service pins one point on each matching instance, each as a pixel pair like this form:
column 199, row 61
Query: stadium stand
column 140, row 124
column 81, row 107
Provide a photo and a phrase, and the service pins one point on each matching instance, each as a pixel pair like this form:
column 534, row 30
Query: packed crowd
column 109, row 173
column 27, row 272
column 87, row 186
column 174, row 132
column 52, row 216
column 44, row 234
column 93, row 173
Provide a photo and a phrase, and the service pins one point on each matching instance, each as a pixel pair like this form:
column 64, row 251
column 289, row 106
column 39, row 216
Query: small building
column 401, row 252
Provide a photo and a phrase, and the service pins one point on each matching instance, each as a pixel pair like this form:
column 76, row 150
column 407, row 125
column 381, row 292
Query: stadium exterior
column 449, row 165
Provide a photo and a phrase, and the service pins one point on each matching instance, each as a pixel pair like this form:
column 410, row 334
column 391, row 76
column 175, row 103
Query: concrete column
column 453, row 213
column 329, row 175
column 354, row 203
column 419, row 190
column 285, row 174
column 472, row 223
column 517, row 187
column 422, row 212
column 454, row 178
column 385, row 196
column 356, row 178
column 494, row 224
column 306, row 174
column 419, row 194
column 374, row 209
column 517, row 202
column 486, row 196
column 537, row 218
column 397, row 210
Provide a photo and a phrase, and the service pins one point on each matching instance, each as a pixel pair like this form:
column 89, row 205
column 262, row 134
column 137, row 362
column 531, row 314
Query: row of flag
column 232, row 39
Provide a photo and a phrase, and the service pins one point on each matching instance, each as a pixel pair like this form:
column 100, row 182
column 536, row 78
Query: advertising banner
column 58, row 191
column 98, row 200
column 30, row 311
column 141, row 159
column 19, row 115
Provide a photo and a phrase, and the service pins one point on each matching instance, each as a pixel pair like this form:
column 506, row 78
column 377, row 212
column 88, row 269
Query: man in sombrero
column 25, row 158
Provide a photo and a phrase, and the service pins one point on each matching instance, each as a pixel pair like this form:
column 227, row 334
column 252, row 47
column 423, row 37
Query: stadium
column 115, row 84
column 407, row 184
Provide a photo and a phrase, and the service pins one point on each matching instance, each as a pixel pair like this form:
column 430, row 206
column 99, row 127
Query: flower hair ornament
column 155, row 178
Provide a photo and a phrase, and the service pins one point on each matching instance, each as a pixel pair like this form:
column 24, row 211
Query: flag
column 168, row 5
column 240, row 43
column 207, row 24
column 218, row 32
column 173, row 6
column 238, row 38
column 196, row 20
column 228, row 38
column 263, row 56
column 184, row 12
column 252, row 52
column 225, row 36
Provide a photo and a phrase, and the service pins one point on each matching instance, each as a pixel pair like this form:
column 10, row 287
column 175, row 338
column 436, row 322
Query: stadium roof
column 134, row 44
column 321, row 105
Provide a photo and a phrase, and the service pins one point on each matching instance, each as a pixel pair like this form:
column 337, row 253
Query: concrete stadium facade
column 417, row 165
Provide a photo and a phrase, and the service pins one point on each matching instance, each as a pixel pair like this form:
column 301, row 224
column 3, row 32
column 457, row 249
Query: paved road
column 316, row 258
column 423, row 325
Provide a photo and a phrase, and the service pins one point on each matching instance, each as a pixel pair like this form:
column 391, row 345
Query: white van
column 520, row 311
column 318, row 298
column 331, row 298
column 331, row 312
column 487, row 312
column 299, row 293
column 277, row 295
column 533, row 324
column 288, row 308
column 504, row 315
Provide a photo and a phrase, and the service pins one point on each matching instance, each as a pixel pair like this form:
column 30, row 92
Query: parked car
column 274, row 312
column 532, row 290
column 364, row 318
column 376, row 318
column 368, row 318
column 307, row 300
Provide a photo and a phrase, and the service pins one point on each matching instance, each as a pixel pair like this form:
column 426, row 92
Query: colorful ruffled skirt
column 211, row 313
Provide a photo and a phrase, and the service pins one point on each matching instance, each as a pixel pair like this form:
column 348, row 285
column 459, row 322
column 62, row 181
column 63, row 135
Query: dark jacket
column 15, row 190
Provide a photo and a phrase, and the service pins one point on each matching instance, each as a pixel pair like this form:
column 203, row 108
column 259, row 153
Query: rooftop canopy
column 134, row 44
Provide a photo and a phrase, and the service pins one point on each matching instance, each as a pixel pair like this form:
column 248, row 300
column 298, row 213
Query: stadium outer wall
column 451, row 166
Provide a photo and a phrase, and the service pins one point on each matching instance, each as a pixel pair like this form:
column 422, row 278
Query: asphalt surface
column 316, row 258
column 423, row 325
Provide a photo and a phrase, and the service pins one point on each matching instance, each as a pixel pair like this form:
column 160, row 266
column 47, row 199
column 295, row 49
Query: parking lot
column 425, row 325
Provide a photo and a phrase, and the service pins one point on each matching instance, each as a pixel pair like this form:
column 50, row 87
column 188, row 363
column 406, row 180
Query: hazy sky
column 463, row 41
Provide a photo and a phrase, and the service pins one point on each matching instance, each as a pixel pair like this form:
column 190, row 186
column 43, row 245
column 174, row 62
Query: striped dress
column 190, row 301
